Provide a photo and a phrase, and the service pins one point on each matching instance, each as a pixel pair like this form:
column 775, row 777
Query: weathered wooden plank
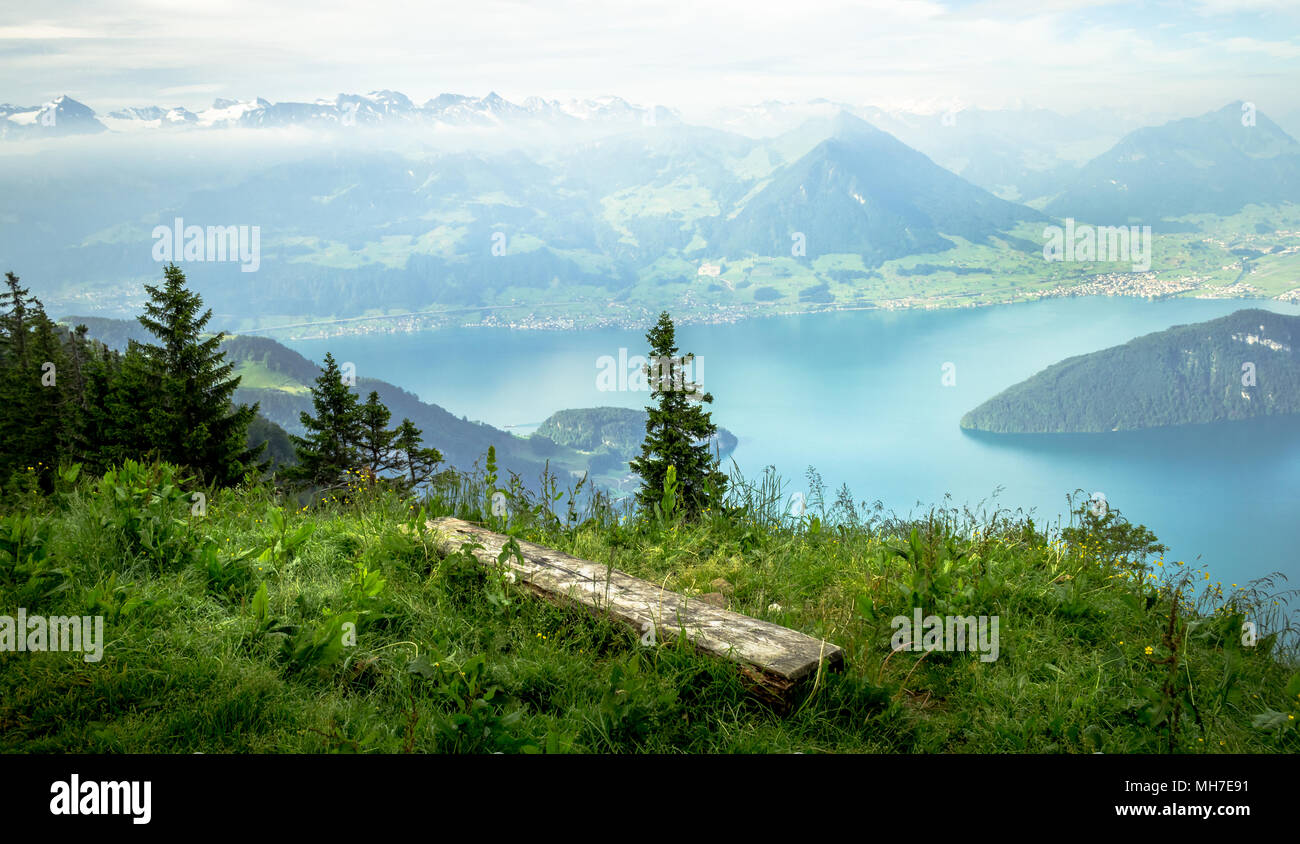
column 773, row 657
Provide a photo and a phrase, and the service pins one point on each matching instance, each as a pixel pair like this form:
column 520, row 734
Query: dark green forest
column 1242, row 366
column 616, row 429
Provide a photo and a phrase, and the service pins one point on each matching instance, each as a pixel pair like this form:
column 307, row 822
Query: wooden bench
column 773, row 659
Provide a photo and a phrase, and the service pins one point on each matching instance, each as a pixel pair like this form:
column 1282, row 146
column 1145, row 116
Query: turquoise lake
column 861, row 396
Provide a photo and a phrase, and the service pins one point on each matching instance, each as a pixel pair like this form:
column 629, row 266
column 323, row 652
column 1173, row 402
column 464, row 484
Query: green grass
column 219, row 636
column 684, row 199
column 256, row 375
column 1275, row 274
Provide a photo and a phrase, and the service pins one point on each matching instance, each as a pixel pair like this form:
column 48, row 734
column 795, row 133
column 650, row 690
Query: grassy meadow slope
column 223, row 631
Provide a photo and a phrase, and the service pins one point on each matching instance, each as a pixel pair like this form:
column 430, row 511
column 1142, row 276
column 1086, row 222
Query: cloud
column 1276, row 49
column 688, row 52
column 41, row 31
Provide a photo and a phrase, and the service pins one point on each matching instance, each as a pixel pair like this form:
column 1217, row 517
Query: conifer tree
column 678, row 430
column 188, row 414
column 329, row 450
column 137, row 424
column 15, row 303
column 417, row 462
column 34, row 380
column 48, row 379
column 375, row 440
column 15, row 375
column 77, row 352
column 98, row 434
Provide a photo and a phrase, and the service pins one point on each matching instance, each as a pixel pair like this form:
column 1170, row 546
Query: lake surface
column 861, row 397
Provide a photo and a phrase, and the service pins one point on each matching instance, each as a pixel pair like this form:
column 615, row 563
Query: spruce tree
column 189, row 415
column 78, row 354
column 418, row 463
column 15, row 303
column 678, row 430
column 138, row 424
column 100, row 429
column 16, row 376
column 34, row 382
column 375, row 440
column 50, row 378
column 329, row 451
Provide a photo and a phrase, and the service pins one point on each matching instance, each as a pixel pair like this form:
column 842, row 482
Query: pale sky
column 1135, row 57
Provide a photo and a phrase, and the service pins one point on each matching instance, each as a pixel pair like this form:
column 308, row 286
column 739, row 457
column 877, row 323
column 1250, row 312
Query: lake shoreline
column 726, row 315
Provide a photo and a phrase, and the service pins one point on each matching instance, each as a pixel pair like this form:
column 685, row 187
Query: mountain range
column 646, row 213
column 65, row 115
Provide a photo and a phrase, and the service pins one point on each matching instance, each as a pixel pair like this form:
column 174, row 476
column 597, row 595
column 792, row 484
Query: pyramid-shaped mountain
column 862, row 191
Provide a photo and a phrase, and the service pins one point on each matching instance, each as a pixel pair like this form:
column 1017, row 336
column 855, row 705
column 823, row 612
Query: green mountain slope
column 864, row 192
column 1241, row 366
column 1208, row 164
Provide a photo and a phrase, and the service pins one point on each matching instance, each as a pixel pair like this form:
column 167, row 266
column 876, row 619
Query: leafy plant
column 225, row 576
column 363, row 591
column 629, row 709
column 319, row 645
column 145, row 507
column 460, row 577
column 474, row 721
column 1283, row 723
column 259, row 605
column 281, row 545
column 24, row 558
column 111, row 599
column 935, row 580
column 1164, row 706
column 1104, row 533
column 666, row 507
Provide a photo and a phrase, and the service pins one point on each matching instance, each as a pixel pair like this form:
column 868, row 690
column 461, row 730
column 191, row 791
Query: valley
column 406, row 226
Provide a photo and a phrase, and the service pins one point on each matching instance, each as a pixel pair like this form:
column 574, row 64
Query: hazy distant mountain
column 113, row 333
column 1020, row 154
column 1215, row 163
column 62, row 116
column 1241, row 366
column 154, row 115
column 497, row 216
column 1289, row 121
column 864, row 192
column 393, row 108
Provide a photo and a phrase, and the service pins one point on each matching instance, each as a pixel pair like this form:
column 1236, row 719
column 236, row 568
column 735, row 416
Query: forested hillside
column 619, row 430
column 1241, row 366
